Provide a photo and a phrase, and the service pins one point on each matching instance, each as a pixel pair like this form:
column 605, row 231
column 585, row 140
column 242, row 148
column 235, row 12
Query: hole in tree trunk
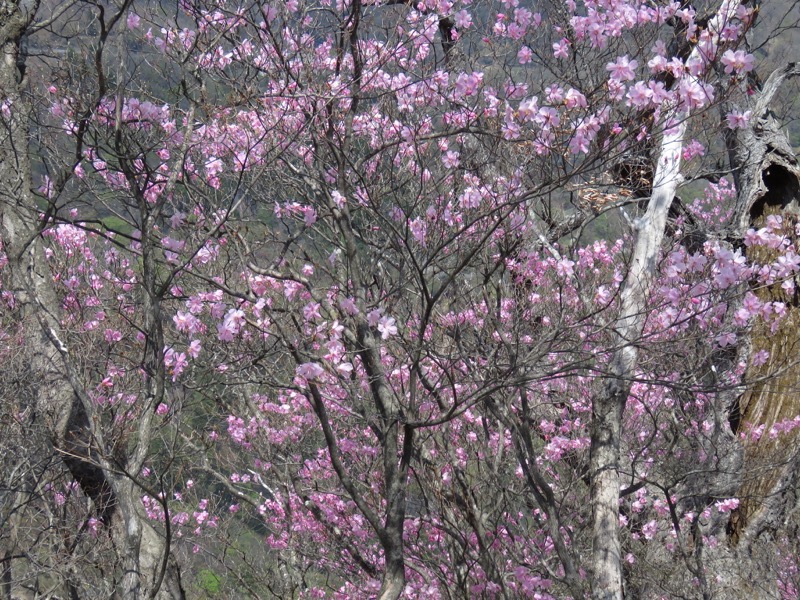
column 783, row 189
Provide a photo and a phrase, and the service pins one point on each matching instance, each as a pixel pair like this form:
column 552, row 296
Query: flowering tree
column 331, row 275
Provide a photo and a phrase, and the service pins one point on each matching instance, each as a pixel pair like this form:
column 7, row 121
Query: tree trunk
column 768, row 183
column 394, row 579
column 60, row 402
column 608, row 406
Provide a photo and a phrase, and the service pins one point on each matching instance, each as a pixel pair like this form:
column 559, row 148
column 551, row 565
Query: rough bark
column 768, row 183
column 764, row 166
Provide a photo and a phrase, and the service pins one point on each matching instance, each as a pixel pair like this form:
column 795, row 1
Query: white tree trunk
column 608, row 406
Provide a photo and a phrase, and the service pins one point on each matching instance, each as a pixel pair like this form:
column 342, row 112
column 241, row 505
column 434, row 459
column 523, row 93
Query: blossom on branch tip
column 348, row 305
column 737, row 119
column 387, row 327
column 310, row 371
column 694, row 148
column 525, row 55
column 726, row 506
column 739, row 62
column 374, row 316
column 561, row 48
column 462, row 19
column 338, row 199
column 622, row 69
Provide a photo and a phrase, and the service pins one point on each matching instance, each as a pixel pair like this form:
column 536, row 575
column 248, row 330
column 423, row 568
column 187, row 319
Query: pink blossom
column 738, row 61
column 133, row 21
column 177, row 220
column 511, row 129
column 564, row 267
column 470, row 198
column 94, row 525
column 231, row 325
column 737, row 119
column 574, row 99
column 579, row 142
column 214, row 166
column 561, row 48
column 528, row 109
column 726, row 339
column 694, row 148
column 348, row 305
column 639, row 95
column 387, row 327
column 310, row 371
column 548, row 117
column 338, row 199
column 467, row 84
column 310, row 216
column 659, row 48
column 450, row 159
column 727, row 505
column 650, row 529
column 462, row 19
column 554, row 93
column 657, row 64
column 779, row 308
column 658, row 93
column 186, row 321
column 622, row 69
column 603, row 295
column 112, row 335
column 695, row 94
column 418, row 229
column 311, row 311
column 374, row 316
column 176, row 362
column 5, row 109
column 194, row 348
column 345, row 368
